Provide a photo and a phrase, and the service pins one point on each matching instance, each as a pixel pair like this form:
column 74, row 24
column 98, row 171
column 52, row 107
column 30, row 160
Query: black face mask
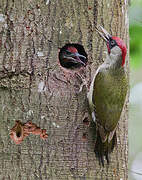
column 112, row 43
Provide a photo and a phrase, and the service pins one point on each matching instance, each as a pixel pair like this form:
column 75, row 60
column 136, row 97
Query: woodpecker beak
column 76, row 58
column 104, row 34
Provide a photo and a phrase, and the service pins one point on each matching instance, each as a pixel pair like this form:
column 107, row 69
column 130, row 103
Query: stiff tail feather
column 103, row 149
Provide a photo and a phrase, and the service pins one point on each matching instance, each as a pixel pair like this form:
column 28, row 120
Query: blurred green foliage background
column 135, row 107
column 135, row 16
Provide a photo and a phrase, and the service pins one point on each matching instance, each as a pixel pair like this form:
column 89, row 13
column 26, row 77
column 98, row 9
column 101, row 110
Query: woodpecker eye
column 112, row 43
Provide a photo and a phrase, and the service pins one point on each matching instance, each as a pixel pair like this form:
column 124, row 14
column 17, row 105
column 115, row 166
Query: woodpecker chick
column 73, row 60
column 72, row 56
column 107, row 95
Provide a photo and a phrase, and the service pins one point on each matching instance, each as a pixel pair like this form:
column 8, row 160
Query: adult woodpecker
column 107, row 95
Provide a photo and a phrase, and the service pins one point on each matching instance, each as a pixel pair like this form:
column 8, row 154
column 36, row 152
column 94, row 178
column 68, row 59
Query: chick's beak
column 103, row 33
column 76, row 58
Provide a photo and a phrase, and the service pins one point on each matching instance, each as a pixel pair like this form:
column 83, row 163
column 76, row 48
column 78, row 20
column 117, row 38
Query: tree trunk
column 33, row 87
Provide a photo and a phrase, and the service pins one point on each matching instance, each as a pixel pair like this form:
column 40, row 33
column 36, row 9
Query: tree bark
column 33, row 87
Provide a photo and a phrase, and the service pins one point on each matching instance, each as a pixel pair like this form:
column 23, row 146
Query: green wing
column 108, row 97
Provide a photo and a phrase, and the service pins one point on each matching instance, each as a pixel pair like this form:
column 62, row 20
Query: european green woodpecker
column 73, row 60
column 72, row 56
column 107, row 95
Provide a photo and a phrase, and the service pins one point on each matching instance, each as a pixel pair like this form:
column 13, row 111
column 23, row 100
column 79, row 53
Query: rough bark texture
column 33, row 87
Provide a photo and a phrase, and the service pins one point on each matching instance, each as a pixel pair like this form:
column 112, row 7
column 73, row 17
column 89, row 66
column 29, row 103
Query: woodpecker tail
column 103, row 149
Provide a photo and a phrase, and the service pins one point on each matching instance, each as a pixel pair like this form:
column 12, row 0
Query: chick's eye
column 68, row 52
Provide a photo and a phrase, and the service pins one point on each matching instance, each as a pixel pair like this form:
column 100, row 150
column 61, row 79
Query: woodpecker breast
column 108, row 97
